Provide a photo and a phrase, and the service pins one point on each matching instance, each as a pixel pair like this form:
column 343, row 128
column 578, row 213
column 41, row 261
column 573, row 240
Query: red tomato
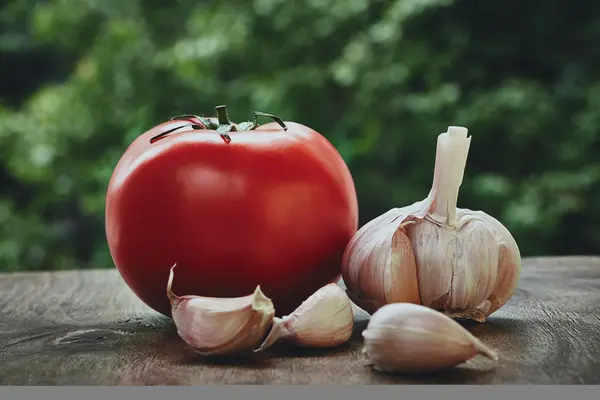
column 266, row 206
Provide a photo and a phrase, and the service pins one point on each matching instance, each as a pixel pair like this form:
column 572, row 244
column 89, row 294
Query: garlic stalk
column 404, row 337
column 219, row 326
column 464, row 263
column 325, row 319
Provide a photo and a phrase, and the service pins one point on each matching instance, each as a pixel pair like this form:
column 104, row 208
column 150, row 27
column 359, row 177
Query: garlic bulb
column 462, row 262
column 325, row 319
column 218, row 326
column 405, row 337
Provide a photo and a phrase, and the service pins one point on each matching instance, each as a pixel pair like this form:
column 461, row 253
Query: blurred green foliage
column 380, row 79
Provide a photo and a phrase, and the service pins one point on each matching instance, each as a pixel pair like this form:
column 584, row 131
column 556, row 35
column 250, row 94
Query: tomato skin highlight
column 271, row 207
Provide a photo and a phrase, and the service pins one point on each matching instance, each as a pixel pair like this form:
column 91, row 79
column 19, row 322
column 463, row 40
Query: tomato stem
column 188, row 117
column 165, row 133
column 223, row 115
column 250, row 125
column 225, row 124
column 273, row 117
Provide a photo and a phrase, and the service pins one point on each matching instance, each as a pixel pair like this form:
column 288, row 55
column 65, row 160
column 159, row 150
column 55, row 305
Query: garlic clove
column 358, row 250
column 401, row 273
column 325, row 319
column 509, row 263
column 379, row 265
column 458, row 276
column 411, row 338
column 219, row 326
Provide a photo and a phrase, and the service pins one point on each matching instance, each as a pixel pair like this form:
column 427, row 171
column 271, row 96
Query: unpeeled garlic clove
column 411, row 338
column 383, row 269
column 219, row 326
column 325, row 319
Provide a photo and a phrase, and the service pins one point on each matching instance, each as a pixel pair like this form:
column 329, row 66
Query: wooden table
column 87, row 328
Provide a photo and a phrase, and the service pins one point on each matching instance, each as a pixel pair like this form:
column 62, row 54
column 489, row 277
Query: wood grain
column 87, row 328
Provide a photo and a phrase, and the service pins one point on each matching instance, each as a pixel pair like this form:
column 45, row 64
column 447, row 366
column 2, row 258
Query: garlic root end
column 472, row 315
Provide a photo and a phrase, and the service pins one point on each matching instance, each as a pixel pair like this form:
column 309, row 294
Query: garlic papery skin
column 410, row 338
column 325, row 319
column 464, row 263
column 221, row 326
column 379, row 265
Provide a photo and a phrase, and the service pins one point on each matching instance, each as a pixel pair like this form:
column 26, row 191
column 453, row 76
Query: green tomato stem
column 222, row 115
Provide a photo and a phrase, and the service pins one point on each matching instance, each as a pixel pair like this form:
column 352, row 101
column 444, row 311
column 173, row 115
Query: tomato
column 234, row 206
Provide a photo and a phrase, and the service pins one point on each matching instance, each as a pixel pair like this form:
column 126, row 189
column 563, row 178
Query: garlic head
column 462, row 262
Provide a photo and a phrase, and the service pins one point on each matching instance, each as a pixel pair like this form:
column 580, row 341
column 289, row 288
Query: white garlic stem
column 219, row 326
column 450, row 162
column 410, row 338
column 325, row 319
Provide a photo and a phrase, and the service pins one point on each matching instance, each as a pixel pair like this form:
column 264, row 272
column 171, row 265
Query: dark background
column 80, row 79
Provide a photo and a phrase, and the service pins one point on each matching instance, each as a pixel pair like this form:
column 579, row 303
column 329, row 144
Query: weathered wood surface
column 87, row 328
